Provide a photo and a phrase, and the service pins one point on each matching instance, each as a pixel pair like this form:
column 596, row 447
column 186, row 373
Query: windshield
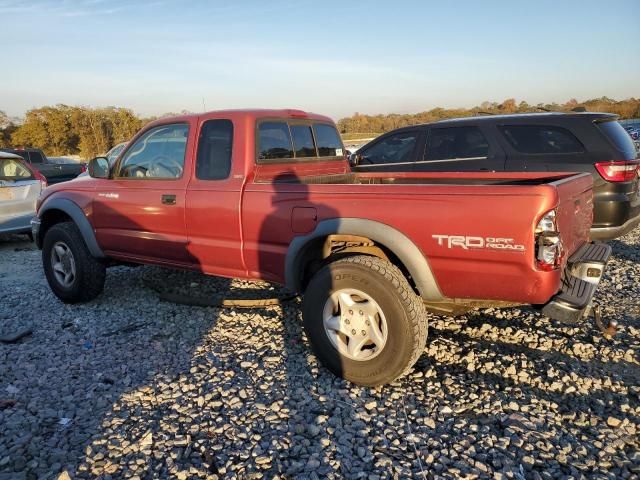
column 114, row 152
column 11, row 169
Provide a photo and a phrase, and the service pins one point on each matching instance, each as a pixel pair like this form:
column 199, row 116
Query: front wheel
column 364, row 321
column 74, row 275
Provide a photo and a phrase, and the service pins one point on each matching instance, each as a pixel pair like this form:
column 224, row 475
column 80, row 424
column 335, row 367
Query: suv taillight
column 624, row 171
column 548, row 242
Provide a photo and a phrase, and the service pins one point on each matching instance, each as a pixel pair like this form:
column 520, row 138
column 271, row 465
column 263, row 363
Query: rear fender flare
column 398, row 243
column 79, row 218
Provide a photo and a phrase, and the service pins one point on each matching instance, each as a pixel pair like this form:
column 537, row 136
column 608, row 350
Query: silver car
column 20, row 187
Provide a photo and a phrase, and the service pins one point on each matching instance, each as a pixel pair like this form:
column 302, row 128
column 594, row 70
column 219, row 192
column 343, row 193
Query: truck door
column 139, row 213
column 213, row 201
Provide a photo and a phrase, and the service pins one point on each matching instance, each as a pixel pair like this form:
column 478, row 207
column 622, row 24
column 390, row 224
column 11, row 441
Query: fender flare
column 79, row 218
column 406, row 251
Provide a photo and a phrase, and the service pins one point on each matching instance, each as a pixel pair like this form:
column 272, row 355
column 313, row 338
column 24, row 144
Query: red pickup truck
column 268, row 194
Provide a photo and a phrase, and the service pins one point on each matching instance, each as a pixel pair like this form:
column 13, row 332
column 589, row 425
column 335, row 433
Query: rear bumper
column 616, row 210
column 579, row 283
column 609, row 233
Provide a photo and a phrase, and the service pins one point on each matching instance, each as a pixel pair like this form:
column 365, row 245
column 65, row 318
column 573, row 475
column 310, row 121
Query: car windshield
column 114, row 152
column 11, row 169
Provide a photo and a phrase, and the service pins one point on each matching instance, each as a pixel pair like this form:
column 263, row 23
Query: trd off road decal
column 475, row 243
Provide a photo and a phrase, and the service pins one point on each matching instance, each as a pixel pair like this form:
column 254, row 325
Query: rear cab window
column 297, row 140
column 618, row 136
column 541, row 139
column 36, row 156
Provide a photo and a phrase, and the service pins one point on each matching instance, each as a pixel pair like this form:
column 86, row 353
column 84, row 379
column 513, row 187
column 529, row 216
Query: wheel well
column 323, row 250
column 49, row 219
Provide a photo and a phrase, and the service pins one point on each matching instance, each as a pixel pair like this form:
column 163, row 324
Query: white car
column 20, row 187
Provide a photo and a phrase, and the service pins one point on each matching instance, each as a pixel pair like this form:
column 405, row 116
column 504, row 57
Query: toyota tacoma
column 269, row 194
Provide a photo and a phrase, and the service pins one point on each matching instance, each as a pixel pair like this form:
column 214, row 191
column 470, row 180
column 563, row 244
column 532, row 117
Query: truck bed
column 427, row 206
column 431, row 178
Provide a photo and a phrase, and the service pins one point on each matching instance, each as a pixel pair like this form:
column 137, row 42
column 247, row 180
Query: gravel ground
column 130, row 387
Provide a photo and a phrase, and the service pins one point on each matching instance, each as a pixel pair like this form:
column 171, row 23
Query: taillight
column 548, row 242
column 624, row 171
column 41, row 178
column 83, row 167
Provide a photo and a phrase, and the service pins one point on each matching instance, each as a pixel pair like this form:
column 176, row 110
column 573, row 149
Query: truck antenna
column 204, row 106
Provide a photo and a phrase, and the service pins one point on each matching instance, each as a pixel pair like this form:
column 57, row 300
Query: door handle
column 169, row 199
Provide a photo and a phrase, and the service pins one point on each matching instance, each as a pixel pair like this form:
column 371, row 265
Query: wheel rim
column 63, row 264
column 355, row 324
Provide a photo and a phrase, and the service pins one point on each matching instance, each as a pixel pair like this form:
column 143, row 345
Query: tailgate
column 575, row 210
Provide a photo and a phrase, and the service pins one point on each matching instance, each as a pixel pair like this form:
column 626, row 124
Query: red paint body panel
column 243, row 226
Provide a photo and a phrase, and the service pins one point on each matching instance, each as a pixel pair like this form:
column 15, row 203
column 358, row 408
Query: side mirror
column 354, row 159
column 98, row 167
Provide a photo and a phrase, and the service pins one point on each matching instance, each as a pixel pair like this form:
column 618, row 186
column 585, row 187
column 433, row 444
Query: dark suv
column 555, row 142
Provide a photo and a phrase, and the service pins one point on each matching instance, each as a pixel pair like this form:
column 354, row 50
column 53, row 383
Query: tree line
column 67, row 130
column 373, row 124
column 88, row 132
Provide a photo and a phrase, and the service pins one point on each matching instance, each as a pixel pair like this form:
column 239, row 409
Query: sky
column 330, row 57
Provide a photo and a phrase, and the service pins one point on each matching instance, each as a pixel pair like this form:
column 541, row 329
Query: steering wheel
column 158, row 167
column 164, row 163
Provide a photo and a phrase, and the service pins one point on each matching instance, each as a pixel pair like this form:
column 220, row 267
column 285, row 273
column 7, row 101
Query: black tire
column 88, row 281
column 404, row 311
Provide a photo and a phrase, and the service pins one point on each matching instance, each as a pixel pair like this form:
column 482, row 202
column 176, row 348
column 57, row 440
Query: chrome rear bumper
column 580, row 281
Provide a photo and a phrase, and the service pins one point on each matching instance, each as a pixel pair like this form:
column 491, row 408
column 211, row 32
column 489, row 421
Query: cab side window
column 157, row 154
column 36, row 157
column 214, row 150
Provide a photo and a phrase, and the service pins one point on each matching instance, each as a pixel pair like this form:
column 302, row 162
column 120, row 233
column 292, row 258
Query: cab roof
column 247, row 114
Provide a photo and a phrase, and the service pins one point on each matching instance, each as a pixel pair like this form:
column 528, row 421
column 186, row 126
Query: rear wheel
column 74, row 275
column 364, row 321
